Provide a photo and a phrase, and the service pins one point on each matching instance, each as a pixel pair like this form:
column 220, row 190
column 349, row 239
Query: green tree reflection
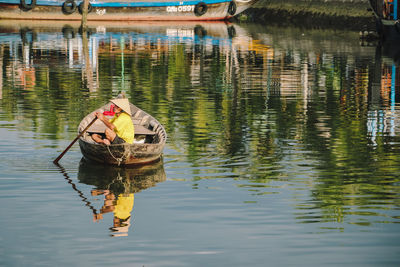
column 234, row 98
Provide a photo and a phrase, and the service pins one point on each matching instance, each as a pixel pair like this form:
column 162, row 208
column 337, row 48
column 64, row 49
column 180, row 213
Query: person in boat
column 120, row 128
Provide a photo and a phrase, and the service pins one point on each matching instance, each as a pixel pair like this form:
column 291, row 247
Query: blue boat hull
column 112, row 10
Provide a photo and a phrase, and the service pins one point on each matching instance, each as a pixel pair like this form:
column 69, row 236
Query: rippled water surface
column 283, row 147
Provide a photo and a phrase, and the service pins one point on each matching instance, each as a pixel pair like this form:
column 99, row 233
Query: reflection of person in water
column 122, row 208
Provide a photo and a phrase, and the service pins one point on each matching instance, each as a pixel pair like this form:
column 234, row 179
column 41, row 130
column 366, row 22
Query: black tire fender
column 68, row 7
column 232, row 8
column 199, row 31
column 231, row 32
column 80, row 8
column 68, row 32
column 200, row 9
column 28, row 36
column 26, row 7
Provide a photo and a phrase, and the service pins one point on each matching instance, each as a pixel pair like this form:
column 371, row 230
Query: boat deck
column 99, row 127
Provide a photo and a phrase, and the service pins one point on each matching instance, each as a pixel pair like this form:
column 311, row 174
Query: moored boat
column 150, row 138
column 127, row 10
column 387, row 17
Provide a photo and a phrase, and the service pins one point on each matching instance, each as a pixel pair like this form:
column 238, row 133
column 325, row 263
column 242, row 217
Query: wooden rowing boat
column 150, row 138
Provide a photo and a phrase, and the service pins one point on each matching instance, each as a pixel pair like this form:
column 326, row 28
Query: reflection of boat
column 386, row 14
column 150, row 138
column 383, row 118
column 118, row 186
column 391, row 49
column 121, row 179
column 70, row 29
column 130, row 10
column 106, row 39
column 61, row 35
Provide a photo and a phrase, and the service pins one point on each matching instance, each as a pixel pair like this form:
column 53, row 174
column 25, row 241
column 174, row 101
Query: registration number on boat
column 180, row 8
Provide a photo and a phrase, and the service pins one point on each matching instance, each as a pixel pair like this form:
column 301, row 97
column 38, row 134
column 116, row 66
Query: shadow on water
column 117, row 185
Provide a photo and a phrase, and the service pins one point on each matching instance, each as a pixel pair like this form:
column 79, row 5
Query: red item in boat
column 109, row 112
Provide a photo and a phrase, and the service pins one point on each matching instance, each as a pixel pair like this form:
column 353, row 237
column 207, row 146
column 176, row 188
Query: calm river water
column 283, row 147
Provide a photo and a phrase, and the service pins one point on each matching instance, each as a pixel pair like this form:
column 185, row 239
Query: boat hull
column 125, row 154
column 387, row 21
column 126, row 11
column 386, row 17
column 137, row 154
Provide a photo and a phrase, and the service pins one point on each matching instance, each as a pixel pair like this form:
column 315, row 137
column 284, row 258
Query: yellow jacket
column 124, row 127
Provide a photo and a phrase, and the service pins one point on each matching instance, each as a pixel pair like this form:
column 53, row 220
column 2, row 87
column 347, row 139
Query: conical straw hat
column 123, row 103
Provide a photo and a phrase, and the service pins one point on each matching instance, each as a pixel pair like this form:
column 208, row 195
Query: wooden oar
column 73, row 142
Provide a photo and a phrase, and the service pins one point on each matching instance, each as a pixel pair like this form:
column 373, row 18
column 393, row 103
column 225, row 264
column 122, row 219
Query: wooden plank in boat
column 139, row 129
column 97, row 127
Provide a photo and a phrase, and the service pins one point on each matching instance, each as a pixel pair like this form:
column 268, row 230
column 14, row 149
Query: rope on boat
column 124, row 155
column 119, row 160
